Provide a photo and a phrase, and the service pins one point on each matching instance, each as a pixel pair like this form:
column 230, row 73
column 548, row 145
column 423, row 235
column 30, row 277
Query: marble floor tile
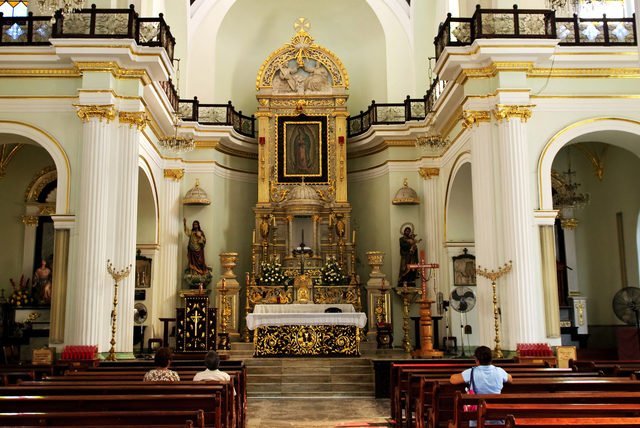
column 311, row 412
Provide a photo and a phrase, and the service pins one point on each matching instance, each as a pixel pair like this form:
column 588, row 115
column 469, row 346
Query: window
column 14, row 8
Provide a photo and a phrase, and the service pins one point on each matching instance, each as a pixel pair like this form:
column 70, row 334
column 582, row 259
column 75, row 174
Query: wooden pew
column 156, row 418
column 443, row 393
column 512, row 422
column 229, row 402
column 461, row 418
column 209, row 403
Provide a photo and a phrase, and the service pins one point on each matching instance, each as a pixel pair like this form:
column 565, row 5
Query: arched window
column 14, row 8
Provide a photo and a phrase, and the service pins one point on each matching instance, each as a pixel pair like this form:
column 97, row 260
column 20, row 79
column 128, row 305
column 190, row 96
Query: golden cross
column 195, row 318
column 301, row 25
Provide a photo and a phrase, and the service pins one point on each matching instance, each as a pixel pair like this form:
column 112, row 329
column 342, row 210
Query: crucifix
column 426, row 323
column 195, row 318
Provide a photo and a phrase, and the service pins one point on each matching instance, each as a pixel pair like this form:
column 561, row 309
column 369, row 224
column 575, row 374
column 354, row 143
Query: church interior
column 327, row 203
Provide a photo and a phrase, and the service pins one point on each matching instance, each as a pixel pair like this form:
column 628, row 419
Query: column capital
column 428, row 173
column 474, row 117
column 522, row 112
column 30, row 220
column 174, row 173
column 134, row 118
column 102, row 111
column 63, row 221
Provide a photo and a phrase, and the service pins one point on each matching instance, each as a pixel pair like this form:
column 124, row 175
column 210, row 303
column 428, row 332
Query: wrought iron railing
column 172, row 93
column 217, row 114
column 90, row 23
column 535, row 24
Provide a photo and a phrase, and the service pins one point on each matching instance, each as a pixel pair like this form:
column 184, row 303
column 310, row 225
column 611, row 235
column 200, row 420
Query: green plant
column 21, row 295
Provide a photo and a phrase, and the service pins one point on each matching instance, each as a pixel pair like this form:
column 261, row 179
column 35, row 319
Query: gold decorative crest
column 474, row 117
column 513, row 111
column 134, row 118
column 427, row 173
column 175, row 174
column 86, row 112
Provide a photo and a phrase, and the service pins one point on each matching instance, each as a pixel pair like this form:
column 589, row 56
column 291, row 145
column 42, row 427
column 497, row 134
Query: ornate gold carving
column 278, row 194
column 328, row 195
column 174, row 173
column 293, row 103
column 40, row 180
column 86, row 112
column 134, row 118
column 264, row 102
column 580, row 308
column 569, row 223
column 302, row 46
column 113, row 68
column 427, row 173
column 30, row 220
column 297, row 340
column 7, row 152
column 523, row 112
column 268, row 294
column 474, row 117
column 597, row 159
column 47, row 210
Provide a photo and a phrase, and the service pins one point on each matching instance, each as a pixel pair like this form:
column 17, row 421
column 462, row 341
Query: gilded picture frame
column 464, row 269
column 302, row 149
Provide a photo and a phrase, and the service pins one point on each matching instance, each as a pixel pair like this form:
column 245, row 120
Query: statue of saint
column 340, row 227
column 408, row 255
column 195, row 248
column 42, row 283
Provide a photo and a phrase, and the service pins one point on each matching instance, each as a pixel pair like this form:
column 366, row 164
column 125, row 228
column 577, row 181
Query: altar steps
column 309, row 377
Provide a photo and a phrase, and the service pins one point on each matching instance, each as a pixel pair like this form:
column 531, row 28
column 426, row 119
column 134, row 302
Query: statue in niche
column 42, row 284
column 340, row 227
column 291, row 78
column 408, row 255
column 197, row 273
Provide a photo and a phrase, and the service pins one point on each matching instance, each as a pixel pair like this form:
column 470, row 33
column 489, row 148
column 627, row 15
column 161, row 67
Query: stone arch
column 570, row 133
column 55, row 150
column 144, row 166
column 462, row 161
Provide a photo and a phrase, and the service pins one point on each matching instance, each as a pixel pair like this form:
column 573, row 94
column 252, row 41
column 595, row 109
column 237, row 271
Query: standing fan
column 462, row 300
column 626, row 306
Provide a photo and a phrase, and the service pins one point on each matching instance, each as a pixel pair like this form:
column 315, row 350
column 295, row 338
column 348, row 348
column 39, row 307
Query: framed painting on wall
column 464, row 269
column 302, row 149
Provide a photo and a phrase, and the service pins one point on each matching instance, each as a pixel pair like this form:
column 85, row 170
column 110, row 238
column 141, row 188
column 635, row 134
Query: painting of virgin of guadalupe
column 302, row 149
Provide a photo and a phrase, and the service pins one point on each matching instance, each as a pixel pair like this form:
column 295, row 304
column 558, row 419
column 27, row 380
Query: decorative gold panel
column 306, row 340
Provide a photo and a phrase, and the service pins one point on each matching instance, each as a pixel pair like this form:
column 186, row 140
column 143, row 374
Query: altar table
column 305, row 330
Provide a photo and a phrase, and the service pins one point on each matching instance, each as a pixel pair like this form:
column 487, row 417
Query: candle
column 353, row 238
column 224, row 282
column 247, row 277
column 253, row 238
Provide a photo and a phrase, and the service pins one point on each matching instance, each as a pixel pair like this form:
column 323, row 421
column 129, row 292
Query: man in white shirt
column 212, row 362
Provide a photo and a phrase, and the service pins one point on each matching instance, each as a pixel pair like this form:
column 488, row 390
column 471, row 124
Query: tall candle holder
column 117, row 276
column 493, row 276
column 223, row 335
column 245, row 330
column 409, row 295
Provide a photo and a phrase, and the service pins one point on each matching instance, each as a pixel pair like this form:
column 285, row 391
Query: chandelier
column 177, row 143
column 49, row 7
column 567, row 195
column 432, row 140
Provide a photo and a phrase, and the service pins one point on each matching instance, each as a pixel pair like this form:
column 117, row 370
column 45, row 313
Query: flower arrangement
column 272, row 274
column 21, row 295
column 331, row 273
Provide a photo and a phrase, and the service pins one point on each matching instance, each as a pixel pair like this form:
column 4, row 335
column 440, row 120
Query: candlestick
column 117, row 275
column 493, row 276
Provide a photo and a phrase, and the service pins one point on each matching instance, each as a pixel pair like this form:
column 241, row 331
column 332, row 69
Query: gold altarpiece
column 302, row 174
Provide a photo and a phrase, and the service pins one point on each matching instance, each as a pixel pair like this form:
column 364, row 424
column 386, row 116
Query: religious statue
column 340, row 227
column 264, row 228
column 408, row 255
column 318, row 79
column 197, row 272
column 42, row 284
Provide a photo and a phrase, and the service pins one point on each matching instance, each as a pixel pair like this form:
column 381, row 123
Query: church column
column 483, row 167
column 341, row 155
column 432, row 220
column 126, row 206
column 62, row 225
column 91, row 320
column 546, row 221
column 164, row 302
column 30, row 225
column 522, row 309
column 264, row 145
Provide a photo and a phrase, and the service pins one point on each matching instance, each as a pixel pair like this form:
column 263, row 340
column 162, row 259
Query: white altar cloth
column 358, row 319
column 296, row 308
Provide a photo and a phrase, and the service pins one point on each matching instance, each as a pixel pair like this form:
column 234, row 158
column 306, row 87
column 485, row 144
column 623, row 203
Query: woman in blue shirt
column 487, row 378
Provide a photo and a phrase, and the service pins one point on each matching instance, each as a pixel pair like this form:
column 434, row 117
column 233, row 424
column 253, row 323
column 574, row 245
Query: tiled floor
column 317, row 412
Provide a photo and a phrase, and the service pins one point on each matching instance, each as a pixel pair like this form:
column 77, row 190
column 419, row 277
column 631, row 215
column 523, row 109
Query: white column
column 62, row 225
column 30, row 225
column 167, row 284
column 91, row 317
column 483, row 173
column 522, row 309
column 432, row 219
column 126, row 216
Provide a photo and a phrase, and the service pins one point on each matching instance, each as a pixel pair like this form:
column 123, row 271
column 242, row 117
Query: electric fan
column 462, row 300
column 626, row 306
column 140, row 313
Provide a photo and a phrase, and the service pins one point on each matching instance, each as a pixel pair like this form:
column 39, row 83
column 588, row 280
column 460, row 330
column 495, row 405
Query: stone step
column 316, row 377
column 310, row 387
column 353, row 394
column 269, row 370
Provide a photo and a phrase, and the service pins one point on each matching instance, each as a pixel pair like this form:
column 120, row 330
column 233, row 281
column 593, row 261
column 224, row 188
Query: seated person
column 162, row 373
column 487, row 378
column 212, row 362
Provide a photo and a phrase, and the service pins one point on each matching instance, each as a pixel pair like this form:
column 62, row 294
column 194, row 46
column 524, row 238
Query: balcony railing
column 217, row 114
column 90, row 23
column 535, row 24
column 395, row 113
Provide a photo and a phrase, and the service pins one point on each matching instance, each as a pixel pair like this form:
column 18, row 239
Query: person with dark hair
column 484, row 378
column 212, row 372
column 162, row 373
